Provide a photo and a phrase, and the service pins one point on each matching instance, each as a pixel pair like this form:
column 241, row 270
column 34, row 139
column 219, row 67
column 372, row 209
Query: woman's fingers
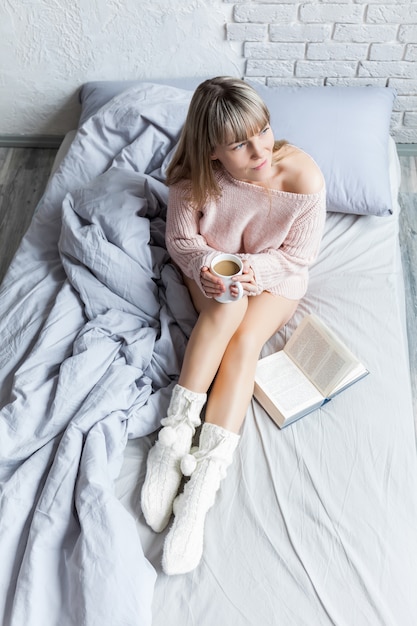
column 247, row 279
column 212, row 285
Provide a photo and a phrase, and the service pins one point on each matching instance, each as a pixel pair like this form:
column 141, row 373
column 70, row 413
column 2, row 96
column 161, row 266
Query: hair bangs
column 237, row 123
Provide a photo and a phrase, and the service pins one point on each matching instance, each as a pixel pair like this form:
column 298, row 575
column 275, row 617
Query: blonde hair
column 222, row 110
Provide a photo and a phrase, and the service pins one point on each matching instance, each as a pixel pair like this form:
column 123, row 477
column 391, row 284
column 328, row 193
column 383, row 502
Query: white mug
column 226, row 266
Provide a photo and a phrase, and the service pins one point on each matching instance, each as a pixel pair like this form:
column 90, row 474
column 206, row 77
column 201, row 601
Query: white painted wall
column 48, row 48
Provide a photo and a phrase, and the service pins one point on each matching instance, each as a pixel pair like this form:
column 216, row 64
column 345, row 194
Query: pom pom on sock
column 167, row 436
column 188, row 464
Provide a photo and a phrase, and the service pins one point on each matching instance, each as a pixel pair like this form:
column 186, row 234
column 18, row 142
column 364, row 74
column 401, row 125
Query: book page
column 280, row 379
column 319, row 355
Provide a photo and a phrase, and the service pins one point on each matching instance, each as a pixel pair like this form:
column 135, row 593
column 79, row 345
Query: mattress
column 314, row 525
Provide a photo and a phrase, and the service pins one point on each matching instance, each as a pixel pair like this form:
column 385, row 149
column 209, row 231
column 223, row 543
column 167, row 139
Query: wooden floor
column 24, row 173
column 408, row 242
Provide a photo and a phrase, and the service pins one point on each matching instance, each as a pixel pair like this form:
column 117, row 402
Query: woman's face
column 249, row 160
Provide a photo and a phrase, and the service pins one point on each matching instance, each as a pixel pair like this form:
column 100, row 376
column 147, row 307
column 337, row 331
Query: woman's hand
column 247, row 280
column 213, row 286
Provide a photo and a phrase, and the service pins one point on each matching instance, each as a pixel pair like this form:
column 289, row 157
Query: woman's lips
column 260, row 166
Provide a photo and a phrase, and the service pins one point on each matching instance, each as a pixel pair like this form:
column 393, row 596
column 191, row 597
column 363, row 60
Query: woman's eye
column 265, row 130
column 239, row 146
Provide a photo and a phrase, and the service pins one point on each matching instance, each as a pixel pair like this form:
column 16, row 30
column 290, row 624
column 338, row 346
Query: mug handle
column 240, row 289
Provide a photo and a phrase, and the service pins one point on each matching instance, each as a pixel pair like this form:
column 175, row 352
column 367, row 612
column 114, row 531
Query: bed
column 315, row 524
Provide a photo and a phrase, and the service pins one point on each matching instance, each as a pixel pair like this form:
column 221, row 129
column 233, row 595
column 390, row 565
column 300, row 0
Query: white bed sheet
column 315, row 525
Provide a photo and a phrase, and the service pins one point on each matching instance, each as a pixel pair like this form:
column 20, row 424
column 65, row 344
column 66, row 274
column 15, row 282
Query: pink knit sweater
column 277, row 231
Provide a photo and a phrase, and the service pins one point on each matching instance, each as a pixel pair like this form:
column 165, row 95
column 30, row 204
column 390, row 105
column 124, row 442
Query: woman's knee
column 225, row 317
column 245, row 345
column 261, row 321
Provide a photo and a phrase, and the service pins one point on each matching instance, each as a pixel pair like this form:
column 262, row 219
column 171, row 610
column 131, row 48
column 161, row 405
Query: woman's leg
column 226, row 408
column 226, row 341
column 211, row 334
column 233, row 386
column 215, row 326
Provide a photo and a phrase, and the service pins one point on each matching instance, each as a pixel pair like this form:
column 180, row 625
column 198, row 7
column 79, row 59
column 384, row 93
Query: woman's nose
column 256, row 149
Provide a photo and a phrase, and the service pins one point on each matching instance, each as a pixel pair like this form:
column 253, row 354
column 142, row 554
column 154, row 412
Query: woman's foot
column 183, row 546
column 163, row 472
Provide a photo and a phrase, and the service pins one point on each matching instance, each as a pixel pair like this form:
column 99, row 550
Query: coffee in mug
column 226, row 266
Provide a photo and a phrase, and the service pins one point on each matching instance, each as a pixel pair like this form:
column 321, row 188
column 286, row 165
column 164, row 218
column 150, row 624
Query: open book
column 313, row 367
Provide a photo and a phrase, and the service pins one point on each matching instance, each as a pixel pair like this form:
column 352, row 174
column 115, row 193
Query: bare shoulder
column 299, row 172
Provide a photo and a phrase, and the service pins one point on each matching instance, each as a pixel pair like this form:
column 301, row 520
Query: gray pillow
column 95, row 94
column 344, row 129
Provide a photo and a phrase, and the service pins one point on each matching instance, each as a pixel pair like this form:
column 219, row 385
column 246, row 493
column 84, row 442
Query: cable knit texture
column 163, row 473
column 183, row 546
column 279, row 232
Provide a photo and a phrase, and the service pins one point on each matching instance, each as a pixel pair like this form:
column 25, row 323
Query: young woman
column 232, row 189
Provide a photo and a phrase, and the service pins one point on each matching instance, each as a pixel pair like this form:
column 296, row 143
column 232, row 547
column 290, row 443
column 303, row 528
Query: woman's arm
column 187, row 247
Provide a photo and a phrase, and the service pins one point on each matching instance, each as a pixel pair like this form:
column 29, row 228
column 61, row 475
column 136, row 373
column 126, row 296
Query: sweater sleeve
column 187, row 247
column 284, row 271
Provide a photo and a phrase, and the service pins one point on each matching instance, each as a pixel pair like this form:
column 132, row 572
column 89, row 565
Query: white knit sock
column 163, row 472
column 183, row 546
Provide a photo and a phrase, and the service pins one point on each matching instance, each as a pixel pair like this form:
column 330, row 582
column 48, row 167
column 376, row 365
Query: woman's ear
column 214, row 156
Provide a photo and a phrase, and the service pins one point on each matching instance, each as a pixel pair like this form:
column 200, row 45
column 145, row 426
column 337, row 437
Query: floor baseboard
column 406, row 149
column 54, row 141
column 30, row 141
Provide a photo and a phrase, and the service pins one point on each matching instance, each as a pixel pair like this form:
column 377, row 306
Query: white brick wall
column 324, row 42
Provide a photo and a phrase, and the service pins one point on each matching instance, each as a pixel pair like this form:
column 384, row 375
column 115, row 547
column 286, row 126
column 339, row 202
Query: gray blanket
column 94, row 321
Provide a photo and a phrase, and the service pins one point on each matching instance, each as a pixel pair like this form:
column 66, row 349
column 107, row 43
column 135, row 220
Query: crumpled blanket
column 93, row 324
